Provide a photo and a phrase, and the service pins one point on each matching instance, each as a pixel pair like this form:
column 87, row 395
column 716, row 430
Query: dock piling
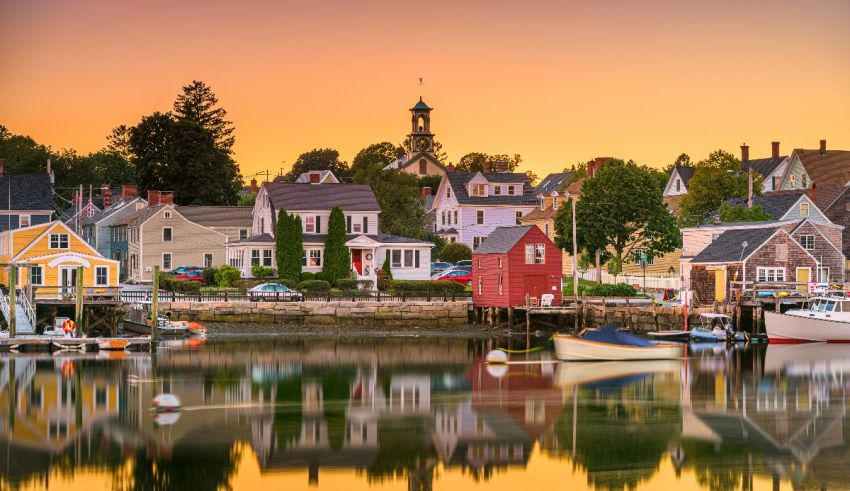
column 155, row 307
column 13, row 299
column 78, row 305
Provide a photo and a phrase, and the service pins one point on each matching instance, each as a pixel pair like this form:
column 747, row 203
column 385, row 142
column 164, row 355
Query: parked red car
column 195, row 275
column 462, row 276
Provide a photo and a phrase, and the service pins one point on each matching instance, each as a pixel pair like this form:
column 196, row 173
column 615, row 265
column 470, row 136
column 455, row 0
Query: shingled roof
column 503, row 239
column 685, row 173
column 774, row 204
column 459, row 180
column 293, row 196
column 26, row 192
column 218, row 216
column 552, row 182
column 831, row 168
column 727, row 247
column 765, row 167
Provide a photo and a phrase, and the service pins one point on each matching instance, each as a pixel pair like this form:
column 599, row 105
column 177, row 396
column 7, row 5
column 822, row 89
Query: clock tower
column 420, row 139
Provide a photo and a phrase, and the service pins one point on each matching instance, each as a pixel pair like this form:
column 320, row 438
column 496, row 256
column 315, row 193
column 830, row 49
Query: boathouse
column 515, row 266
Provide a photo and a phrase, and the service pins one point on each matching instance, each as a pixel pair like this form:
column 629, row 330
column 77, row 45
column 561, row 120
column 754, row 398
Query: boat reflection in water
column 423, row 410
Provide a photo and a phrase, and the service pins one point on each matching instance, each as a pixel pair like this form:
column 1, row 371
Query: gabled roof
column 538, row 214
column 765, row 167
column 503, row 239
column 144, row 214
column 380, row 238
column 295, row 196
column 459, row 180
column 106, row 213
column 324, row 175
column 26, row 192
column 264, row 238
column 414, row 159
column 831, row 168
column 825, row 196
column 727, row 247
column 775, row 204
column 685, row 172
column 552, row 182
column 218, row 216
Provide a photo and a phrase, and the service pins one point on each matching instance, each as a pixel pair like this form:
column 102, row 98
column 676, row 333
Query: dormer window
column 678, row 185
column 497, row 190
column 511, row 190
column 479, row 190
column 793, row 182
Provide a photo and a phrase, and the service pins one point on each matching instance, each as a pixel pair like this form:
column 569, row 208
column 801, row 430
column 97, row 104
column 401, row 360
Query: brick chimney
column 254, row 187
column 166, row 198
column 486, row 167
column 450, row 168
column 314, row 177
column 154, row 197
column 774, row 149
column 501, row 166
column 595, row 164
column 128, row 191
column 426, row 191
column 745, row 153
column 106, row 194
column 823, row 147
column 2, row 168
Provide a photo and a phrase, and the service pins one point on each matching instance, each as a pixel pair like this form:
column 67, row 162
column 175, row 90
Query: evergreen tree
column 337, row 263
column 198, row 104
column 386, row 267
column 296, row 245
column 288, row 246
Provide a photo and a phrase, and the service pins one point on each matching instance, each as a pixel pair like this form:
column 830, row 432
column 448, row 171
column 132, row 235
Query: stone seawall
column 643, row 318
column 334, row 313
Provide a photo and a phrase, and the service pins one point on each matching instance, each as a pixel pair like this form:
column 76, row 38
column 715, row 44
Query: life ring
column 69, row 326
column 368, row 257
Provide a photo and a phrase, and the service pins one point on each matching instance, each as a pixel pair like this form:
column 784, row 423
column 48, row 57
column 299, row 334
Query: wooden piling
column 155, row 307
column 510, row 317
column 78, row 306
column 13, row 299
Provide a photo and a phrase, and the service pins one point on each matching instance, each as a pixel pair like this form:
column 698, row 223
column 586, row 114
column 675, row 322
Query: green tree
column 455, row 251
column 729, row 213
column 198, row 104
column 474, row 161
column 119, row 141
column 386, row 267
column 181, row 156
column 716, row 179
column 288, row 246
column 337, row 261
column 318, row 159
column 400, row 199
column 621, row 208
column 376, row 154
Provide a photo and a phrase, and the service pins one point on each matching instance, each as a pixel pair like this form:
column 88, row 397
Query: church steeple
column 420, row 139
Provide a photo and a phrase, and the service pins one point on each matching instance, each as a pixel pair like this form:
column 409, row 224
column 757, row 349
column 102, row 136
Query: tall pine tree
column 337, row 263
column 198, row 104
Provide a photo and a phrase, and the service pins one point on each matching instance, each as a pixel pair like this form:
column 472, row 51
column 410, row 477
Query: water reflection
column 418, row 409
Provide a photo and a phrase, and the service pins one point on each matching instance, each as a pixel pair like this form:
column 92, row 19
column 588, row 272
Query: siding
column 494, row 216
column 824, row 252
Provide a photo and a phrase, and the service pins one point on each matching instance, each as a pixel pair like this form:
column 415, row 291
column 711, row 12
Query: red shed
column 514, row 262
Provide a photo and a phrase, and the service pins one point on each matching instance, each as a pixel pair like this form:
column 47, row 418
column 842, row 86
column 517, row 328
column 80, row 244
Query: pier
column 53, row 344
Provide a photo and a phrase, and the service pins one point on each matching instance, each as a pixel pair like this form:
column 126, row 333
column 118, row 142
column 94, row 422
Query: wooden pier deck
column 43, row 343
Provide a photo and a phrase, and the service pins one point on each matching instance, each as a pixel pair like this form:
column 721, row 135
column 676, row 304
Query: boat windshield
column 824, row 305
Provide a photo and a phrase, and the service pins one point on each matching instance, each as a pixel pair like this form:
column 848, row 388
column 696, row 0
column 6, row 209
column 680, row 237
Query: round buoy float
column 497, row 357
column 166, row 402
column 69, row 327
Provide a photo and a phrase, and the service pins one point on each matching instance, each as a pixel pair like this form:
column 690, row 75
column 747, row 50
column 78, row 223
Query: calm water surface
column 423, row 413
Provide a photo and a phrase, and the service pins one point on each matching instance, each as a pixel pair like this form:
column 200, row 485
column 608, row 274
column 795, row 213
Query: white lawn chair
column 546, row 299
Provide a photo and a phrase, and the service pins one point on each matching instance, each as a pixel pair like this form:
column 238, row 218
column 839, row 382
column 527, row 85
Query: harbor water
column 421, row 413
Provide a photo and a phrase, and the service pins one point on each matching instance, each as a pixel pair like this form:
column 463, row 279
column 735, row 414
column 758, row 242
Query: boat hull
column 569, row 348
column 670, row 335
column 784, row 328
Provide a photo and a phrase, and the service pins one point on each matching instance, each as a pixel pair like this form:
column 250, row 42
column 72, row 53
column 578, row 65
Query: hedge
column 604, row 290
column 346, row 284
column 209, row 276
column 307, row 276
column 261, row 272
column 427, row 286
column 168, row 282
column 314, row 286
column 292, row 285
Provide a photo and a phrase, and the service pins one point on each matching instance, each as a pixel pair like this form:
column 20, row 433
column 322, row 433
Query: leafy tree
column 288, row 246
column 440, row 153
column 318, row 159
column 400, row 199
column 247, row 199
column 729, row 213
column 621, row 208
column 337, row 260
column 376, row 154
column 198, row 104
column 683, row 159
column 111, row 167
column 432, row 182
column 455, row 251
column 181, row 156
column 119, row 141
column 532, row 177
column 474, row 161
column 716, row 179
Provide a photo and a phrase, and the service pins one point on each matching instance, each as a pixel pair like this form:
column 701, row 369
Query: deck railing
column 69, row 293
column 352, row 296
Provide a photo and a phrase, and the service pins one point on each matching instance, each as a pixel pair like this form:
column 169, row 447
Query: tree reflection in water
column 195, row 467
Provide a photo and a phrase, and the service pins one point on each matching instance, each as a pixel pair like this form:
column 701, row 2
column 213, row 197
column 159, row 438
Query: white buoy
column 497, row 357
column 166, row 419
column 166, row 402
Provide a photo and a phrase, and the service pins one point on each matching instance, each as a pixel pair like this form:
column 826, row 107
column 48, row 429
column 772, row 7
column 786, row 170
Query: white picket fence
column 652, row 281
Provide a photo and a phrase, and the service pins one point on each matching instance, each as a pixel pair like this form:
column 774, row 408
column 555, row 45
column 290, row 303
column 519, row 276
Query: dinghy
column 608, row 343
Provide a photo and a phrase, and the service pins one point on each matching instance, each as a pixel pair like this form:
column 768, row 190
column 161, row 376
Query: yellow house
column 55, row 251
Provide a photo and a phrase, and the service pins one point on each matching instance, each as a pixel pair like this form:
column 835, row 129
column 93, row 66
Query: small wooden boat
column 673, row 335
column 112, row 344
column 610, row 344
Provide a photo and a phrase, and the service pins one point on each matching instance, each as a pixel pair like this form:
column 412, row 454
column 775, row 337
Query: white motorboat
column 826, row 320
column 609, row 344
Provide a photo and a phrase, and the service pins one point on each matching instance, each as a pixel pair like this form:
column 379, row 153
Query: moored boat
column 608, row 343
column 112, row 344
column 672, row 335
column 826, row 320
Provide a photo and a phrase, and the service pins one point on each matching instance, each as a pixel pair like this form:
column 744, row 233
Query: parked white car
column 272, row 292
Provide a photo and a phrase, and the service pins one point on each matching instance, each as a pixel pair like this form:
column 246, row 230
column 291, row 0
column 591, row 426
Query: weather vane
column 420, row 81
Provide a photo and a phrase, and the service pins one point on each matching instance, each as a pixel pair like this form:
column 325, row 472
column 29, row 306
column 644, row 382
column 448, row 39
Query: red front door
column 535, row 285
column 357, row 260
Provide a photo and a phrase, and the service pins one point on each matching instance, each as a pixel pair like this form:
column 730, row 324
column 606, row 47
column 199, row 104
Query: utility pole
column 575, row 256
column 78, row 304
column 750, row 185
column 155, row 306
column 13, row 278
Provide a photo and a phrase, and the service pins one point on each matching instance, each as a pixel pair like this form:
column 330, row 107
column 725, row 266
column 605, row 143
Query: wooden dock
column 51, row 344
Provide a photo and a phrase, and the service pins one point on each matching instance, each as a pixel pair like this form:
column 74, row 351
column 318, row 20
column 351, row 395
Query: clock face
column 422, row 144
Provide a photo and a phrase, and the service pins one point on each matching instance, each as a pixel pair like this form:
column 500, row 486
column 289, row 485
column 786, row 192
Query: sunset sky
column 556, row 81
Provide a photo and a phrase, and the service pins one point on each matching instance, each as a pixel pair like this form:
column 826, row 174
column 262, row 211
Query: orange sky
column 557, row 82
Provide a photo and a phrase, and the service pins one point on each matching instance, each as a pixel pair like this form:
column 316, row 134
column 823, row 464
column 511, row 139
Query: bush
column 167, row 282
column 292, row 285
column 601, row 290
column 386, row 267
column 314, row 286
column 226, row 276
column 321, row 276
column 454, row 252
column 209, row 275
column 261, row 272
column 427, row 286
column 307, row 276
column 346, row 284
column 383, row 282
column 364, row 284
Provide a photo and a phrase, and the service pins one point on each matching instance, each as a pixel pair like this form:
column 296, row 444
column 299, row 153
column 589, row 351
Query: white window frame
column 808, row 242
column 60, row 239
column 476, row 241
column 97, row 270
column 170, row 261
column 480, row 285
column 267, row 258
column 356, row 227
column 770, row 275
column 210, row 256
column 479, row 217
column 540, row 253
column 511, row 190
column 554, row 202
column 255, row 252
column 497, row 190
column 823, row 274
column 166, row 214
column 21, row 220
column 638, row 251
column 40, row 270
column 170, row 234
column 479, row 190
column 314, row 255
column 309, row 224
column 546, row 229
column 404, row 258
column 243, row 233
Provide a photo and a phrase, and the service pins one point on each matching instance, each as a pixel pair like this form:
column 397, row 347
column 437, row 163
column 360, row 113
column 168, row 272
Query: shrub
column 383, row 282
column 314, row 286
column 168, row 282
column 346, row 284
column 454, row 252
column 386, row 267
column 364, row 284
column 306, row 276
column 261, row 271
column 321, row 276
column 292, row 285
column 427, row 286
column 337, row 260
column 602, row 290
column 226, row 276
column 209, row 275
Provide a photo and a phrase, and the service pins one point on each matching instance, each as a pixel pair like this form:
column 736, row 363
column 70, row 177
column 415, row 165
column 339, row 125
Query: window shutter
column 348, row 223
column 416, row 258
column 318, row 225
column 365, row 225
